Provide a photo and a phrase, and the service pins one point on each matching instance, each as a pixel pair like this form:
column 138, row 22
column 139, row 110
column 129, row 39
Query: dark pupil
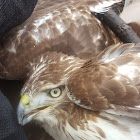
column 55, row 91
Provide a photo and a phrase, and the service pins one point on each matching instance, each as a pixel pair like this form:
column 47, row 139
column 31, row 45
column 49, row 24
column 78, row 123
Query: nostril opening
column 27, row 104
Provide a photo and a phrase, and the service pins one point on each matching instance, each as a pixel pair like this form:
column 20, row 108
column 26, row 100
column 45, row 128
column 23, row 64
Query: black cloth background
column 12, row 13
column 9, row 127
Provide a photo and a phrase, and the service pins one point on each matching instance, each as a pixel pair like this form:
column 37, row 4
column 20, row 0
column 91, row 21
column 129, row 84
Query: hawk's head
column 44, row 93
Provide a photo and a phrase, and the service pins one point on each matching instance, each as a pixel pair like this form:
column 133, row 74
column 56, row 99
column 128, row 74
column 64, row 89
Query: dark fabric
column 9, row 127
column 14, row 12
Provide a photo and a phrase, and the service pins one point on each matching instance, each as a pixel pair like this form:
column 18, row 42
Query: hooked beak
column 25, row 112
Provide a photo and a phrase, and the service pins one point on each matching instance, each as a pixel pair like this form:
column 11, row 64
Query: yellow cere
column 25, row 100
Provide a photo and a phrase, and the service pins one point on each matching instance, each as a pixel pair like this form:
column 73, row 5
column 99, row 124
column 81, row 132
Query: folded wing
column 110, row 82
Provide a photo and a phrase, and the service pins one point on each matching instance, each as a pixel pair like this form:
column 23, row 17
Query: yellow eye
column 56, row 92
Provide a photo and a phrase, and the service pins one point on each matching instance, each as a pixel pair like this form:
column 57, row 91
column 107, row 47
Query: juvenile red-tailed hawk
column 77, row 100
column 58, row 25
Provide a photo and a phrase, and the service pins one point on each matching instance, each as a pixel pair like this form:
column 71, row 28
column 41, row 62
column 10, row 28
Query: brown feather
column 66, row 27
column 99, row 85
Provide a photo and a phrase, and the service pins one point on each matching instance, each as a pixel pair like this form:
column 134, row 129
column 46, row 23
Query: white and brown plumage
column 58, row 25
column 69, row 97
column 77, row 100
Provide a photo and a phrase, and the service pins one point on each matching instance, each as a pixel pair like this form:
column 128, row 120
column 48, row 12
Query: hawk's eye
column 56, row 92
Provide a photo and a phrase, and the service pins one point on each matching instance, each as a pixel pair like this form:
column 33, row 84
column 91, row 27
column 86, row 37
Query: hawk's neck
column 90, row 126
